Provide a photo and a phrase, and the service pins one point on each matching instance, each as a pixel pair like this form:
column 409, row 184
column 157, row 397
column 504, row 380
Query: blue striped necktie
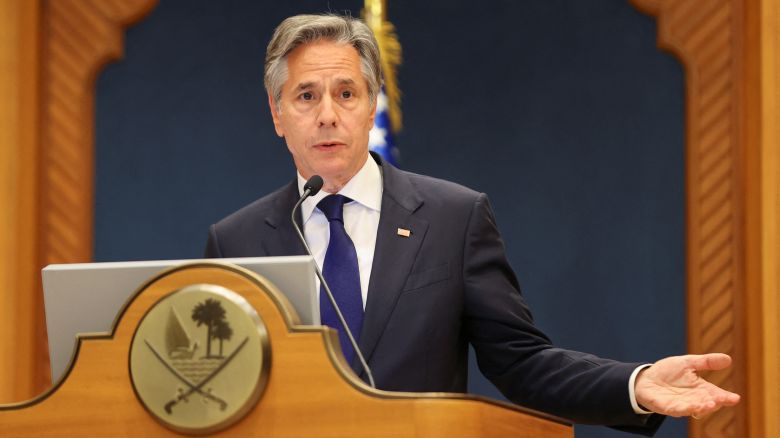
column 340, row 270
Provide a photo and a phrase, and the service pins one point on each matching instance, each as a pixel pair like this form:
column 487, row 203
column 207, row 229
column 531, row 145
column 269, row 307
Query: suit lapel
column 281, row 238
column 393, row 257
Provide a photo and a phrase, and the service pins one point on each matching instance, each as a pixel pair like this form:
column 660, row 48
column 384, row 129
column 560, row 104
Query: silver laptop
column 86, row 297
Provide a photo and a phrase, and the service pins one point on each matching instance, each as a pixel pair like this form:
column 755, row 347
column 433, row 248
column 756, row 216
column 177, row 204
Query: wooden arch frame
column 78, row 37
column 705, row 36
column 64, row 45
column 718, row 43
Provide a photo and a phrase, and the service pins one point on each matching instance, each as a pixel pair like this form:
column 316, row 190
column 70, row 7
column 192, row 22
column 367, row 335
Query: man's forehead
column 323, row 62
column 316, row 50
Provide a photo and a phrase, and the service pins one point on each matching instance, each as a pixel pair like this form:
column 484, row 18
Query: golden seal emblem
column 199, row 359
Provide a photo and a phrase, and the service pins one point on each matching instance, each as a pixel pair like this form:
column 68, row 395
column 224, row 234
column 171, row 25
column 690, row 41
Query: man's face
column 325, row 114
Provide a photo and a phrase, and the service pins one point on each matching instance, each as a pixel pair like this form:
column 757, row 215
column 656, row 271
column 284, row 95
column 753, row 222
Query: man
column 421, row 265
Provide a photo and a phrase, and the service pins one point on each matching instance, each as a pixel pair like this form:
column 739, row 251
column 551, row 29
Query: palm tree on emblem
column 208, row 313
column 223, row 332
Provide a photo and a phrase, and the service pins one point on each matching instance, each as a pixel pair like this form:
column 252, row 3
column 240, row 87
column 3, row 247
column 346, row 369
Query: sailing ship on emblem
column 177, row 340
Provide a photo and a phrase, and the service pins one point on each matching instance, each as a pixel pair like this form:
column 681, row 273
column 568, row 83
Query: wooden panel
column 753, row 246
column 20, row 313
column 770, row 172
column 706, row 36
column 763, row 117
column 729, row 51
column 48, row 189
column 80, row 37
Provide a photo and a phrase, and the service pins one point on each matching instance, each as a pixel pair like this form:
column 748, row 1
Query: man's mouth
column 328, row 144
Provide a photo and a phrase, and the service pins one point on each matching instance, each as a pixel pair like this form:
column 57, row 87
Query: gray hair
column 303, row 29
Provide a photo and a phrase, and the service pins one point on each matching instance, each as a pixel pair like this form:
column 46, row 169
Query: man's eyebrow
column 311, row 84
column 305, row 85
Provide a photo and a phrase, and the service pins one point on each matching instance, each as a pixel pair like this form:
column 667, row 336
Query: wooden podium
column 308, row 388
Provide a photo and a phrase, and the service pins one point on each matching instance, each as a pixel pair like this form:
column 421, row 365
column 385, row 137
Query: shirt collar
column 364, row 188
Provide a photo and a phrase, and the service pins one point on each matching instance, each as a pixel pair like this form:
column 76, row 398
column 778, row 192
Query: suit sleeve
column 519, row 359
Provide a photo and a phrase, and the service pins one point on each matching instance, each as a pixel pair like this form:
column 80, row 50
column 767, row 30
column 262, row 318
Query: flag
column 380, row 138
column 387, row 122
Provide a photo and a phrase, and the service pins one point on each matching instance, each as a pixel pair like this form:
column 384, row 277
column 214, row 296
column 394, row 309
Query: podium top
column 86, row 297
column 302, row 373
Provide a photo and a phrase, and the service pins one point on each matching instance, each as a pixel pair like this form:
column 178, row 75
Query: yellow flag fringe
column 390, row 52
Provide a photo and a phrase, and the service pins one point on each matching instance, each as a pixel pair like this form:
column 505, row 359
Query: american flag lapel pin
column 403, row 232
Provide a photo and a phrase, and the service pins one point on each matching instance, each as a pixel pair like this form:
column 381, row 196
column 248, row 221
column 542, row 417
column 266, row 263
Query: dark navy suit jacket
column 446, row 285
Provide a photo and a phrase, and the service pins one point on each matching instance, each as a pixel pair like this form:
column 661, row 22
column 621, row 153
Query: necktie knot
column 332, row 207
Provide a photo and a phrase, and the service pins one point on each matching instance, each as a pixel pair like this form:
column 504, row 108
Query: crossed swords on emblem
column 196, row 387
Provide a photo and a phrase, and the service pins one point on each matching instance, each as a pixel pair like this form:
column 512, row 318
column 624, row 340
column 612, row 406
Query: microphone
column 311, row 188
column 313, row 185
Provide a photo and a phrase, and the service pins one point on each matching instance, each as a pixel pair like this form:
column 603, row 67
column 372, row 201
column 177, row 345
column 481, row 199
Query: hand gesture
column 672, row 386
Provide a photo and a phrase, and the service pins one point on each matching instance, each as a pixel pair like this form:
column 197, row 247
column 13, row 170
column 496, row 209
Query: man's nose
column 327, row 115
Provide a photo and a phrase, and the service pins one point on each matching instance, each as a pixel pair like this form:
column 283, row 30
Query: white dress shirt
column 361, row 220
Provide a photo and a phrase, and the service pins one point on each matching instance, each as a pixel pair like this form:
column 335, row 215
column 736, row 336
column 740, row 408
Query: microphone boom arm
column 308, row 191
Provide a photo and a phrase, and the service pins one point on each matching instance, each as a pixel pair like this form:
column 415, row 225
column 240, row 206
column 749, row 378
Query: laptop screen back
column 86, row 297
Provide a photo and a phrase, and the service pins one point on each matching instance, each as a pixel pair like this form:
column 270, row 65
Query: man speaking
column 417, row 264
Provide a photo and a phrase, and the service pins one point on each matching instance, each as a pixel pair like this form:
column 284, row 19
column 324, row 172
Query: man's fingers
column 709, row 362
column 729, row 399
column 712, row 406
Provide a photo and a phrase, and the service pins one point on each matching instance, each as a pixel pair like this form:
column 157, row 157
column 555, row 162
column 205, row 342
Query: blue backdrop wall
column 563, row 111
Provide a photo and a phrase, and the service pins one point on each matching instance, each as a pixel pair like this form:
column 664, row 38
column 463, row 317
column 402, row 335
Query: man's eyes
column 308, row 96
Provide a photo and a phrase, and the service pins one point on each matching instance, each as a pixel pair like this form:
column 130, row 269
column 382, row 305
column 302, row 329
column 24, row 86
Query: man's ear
column 275, row 116
column 372, row 115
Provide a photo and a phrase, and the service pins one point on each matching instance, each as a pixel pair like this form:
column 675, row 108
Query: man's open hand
column 672, row 386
